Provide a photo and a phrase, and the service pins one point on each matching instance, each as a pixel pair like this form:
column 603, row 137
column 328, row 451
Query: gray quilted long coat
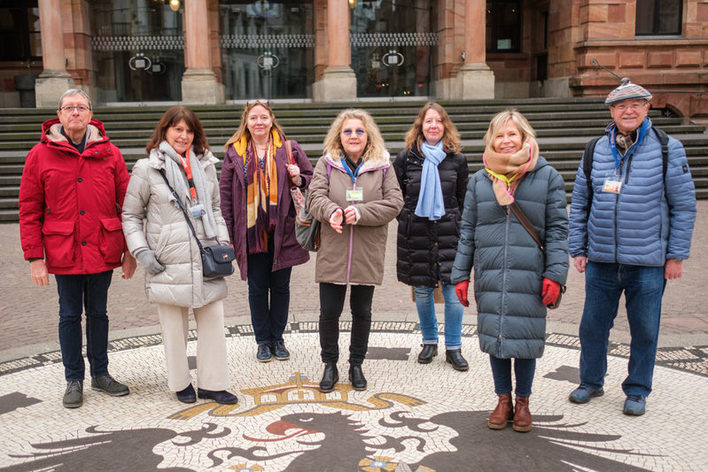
column 508, row 265
column 166, row 232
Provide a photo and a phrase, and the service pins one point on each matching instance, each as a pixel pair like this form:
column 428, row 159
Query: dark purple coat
column 287, row 251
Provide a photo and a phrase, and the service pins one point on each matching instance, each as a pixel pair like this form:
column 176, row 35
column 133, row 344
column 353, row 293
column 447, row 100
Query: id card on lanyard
column 197, row 211
column 613, row 180
column 353, row 194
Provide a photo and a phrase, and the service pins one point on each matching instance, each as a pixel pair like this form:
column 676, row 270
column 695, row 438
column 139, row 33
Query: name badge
column 355, row 195
column 197, row 211
column 612, row 185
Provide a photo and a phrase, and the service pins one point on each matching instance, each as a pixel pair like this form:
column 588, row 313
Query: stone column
column 338, row 83
column 475, row 77
column 54, row 80
column 199, row 83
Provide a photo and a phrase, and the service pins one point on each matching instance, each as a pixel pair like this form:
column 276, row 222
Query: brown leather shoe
column 522, row 415
column 502, row 414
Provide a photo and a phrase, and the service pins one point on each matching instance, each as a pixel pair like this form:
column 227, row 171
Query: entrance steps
column 563, row 127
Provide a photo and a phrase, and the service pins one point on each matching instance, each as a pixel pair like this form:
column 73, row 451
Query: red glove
column 550, row 291
column 461, row 291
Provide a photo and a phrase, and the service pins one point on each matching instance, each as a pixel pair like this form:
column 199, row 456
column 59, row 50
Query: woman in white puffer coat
column 167, row 250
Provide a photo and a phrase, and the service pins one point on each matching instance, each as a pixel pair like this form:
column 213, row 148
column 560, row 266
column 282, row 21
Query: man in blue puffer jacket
column 630, row 230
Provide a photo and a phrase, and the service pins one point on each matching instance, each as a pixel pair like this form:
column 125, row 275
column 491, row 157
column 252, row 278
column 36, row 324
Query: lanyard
column 188, row 170
column 613, row 145
column 349, row 171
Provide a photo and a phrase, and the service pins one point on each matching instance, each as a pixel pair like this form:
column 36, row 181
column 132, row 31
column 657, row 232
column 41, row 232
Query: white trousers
column 212, row 368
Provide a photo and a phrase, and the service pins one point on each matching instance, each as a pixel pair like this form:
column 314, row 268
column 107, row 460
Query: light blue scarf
column 430, row 200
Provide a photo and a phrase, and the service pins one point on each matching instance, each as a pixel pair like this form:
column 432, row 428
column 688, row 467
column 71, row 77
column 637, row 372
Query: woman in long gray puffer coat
column 513, row 279
column 157, row 234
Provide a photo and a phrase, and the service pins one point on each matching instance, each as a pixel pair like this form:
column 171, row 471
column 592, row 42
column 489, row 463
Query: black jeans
column 268, row 296
column 77, row 294
column 331, row 306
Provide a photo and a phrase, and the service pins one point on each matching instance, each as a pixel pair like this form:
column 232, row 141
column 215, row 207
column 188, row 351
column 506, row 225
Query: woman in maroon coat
column 255, row 201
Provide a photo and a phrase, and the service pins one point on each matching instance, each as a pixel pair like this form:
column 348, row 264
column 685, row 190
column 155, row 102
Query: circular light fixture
column 174, row 5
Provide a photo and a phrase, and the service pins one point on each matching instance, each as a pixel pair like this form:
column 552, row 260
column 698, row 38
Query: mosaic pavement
column 412, row 417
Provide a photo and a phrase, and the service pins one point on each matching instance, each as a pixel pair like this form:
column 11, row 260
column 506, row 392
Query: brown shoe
column 522, row 415
column 502, row 414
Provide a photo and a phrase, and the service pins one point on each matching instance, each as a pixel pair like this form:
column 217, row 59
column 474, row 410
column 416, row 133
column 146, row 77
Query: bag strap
column 526, row 223
column 184, row 211
column 289, row 151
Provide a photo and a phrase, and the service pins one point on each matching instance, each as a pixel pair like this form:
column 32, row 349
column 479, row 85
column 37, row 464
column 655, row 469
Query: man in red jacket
column 71, row 195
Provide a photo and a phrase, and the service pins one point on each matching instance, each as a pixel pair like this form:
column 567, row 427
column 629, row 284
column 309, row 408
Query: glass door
column 267, row 49
column 138, row 48
column 392, row 43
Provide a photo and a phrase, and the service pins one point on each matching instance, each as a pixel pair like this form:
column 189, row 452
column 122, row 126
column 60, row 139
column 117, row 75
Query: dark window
column 19, row 31
column 656, row 17
column 503, row 26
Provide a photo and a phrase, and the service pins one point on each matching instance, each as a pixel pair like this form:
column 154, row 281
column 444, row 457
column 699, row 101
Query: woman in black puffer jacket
column 433, row 176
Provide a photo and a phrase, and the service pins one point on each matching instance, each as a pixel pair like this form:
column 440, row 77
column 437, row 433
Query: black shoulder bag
column 528, row 226
column 216, row 260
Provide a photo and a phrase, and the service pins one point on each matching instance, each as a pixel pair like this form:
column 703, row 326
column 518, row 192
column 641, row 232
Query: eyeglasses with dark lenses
column 258, row 101
column 349, row 131
column 71, row 108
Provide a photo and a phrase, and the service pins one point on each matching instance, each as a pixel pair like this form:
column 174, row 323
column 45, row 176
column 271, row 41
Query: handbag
column 528, row 226
column 217, row 260
column 308, row 228
column 437, row 294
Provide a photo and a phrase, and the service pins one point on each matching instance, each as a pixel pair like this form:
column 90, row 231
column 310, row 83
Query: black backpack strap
column 664, row 141
column 587, row 169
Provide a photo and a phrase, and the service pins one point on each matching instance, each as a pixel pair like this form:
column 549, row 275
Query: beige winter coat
column 357, row 255
column 166, row 232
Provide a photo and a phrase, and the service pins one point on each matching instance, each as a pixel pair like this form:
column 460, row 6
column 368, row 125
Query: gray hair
column 72, row 92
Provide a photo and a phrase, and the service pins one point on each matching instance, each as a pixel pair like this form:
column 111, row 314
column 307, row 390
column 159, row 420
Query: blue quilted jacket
column 508, row 265
column 647, row 222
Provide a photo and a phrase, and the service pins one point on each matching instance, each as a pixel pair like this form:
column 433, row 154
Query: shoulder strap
column 526, row 223
column 289, row 151
column 184, row 211
column 587, row 160
column 664, row 141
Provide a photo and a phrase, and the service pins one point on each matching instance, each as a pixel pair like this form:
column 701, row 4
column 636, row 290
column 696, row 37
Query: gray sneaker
column 74, row 394
column 107, row 384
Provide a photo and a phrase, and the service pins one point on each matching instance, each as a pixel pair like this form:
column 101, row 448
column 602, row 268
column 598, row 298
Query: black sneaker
column 74, row 394
column 264, row 353
column 280, row 352
column 107, row 384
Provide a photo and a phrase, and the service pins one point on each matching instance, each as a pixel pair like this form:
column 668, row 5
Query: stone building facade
column 214, row 51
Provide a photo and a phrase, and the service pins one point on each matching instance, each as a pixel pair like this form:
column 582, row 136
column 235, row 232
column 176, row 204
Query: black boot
column 330, row 376
column 356, row 376
column 427, row 353
column 455, row 358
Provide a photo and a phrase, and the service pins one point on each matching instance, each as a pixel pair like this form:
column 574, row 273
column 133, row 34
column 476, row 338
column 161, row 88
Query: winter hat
column 627, row 90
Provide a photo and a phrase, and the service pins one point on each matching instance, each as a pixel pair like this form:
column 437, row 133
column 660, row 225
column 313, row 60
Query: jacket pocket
column 59, row 243
column 111, row 244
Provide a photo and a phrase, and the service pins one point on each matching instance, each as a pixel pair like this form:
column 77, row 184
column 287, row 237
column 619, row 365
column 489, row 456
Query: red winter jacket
column 70, row 203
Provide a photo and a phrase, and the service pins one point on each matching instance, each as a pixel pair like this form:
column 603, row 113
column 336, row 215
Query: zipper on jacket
column 617, row 198
column 504, row 268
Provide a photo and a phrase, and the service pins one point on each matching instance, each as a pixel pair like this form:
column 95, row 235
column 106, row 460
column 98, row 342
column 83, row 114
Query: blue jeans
column 268, row 296
column 524, row 370
column 77, row 293
column 643, row 289
column 425, row 304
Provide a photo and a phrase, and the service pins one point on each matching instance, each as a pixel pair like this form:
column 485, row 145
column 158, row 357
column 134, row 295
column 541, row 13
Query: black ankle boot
column 427, row 353
column 356, row 376
column 455, row 358
column 330, row 376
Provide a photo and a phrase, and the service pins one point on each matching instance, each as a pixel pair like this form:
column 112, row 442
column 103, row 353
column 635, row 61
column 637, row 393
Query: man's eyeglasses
column 349, row 131
column 71, row 108
column 633, row 106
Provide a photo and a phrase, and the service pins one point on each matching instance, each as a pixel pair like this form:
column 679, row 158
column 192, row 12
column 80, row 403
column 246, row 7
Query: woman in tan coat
column 355, row 193
column 157, row 234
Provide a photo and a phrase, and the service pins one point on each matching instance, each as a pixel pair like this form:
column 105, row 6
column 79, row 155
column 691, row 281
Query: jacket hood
column 374, row 163
column 51, row 131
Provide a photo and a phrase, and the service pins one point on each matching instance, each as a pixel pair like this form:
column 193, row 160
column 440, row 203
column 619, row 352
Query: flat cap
column 626, row 91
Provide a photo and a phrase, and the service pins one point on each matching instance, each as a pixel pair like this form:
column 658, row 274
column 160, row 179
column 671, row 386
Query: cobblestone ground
column 412, row 417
